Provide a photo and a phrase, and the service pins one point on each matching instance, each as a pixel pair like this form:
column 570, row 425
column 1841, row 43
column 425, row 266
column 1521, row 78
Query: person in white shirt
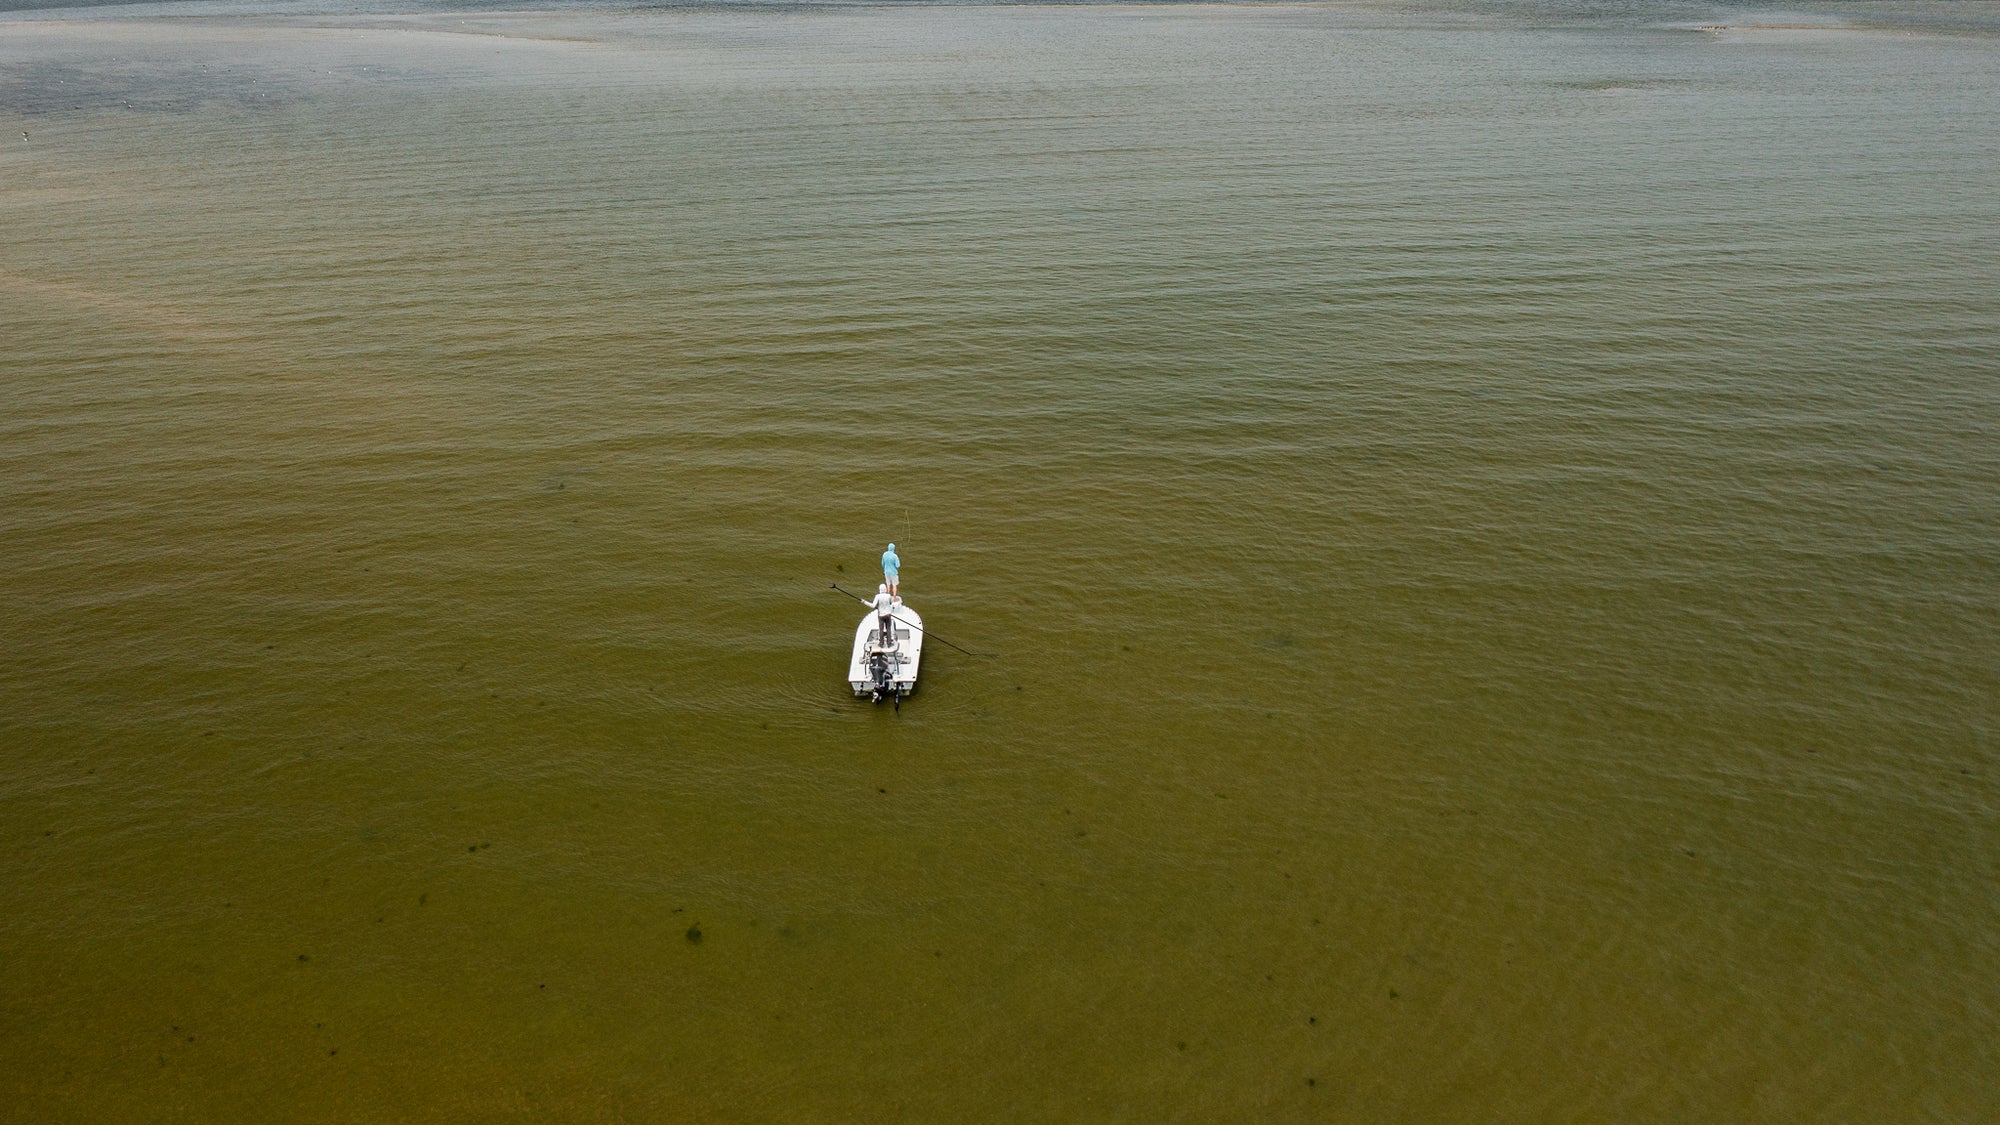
column 884, row 603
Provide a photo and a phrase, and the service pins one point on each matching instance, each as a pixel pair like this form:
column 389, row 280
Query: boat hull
column 897, row 675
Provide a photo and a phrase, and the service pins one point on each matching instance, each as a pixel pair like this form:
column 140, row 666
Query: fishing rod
column 866, row 602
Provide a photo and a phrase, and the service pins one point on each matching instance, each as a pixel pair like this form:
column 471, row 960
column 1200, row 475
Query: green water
column 1488, row 520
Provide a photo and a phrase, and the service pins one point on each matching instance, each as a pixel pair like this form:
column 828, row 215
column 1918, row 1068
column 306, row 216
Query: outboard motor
column 878, row 671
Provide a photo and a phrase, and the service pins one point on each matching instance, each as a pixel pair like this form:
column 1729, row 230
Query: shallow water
column 1486, row 519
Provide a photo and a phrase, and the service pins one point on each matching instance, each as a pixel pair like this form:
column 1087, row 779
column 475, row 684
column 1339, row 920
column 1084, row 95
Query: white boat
column 886, row 667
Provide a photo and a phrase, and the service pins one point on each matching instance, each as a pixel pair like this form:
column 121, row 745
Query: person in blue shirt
column 890, row 565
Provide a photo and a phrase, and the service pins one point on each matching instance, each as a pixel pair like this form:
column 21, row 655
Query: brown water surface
column 1487, row 521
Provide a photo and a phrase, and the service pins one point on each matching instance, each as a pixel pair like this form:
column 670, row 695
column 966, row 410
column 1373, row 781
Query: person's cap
column 892, row 546
column 882, row 588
